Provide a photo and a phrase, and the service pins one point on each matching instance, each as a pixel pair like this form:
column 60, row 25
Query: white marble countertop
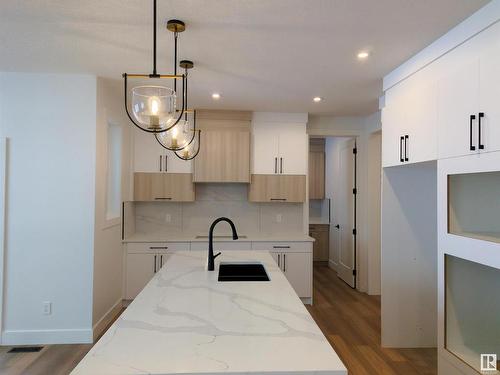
column 297, row 237
column 186, row 322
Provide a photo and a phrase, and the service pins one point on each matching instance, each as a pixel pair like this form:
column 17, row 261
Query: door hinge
column 355, row 150
column 354, row 231
column 355, row 191
column 354, row 272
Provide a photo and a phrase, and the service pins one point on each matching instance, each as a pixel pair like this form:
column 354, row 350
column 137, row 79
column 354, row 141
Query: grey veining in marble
column 186, row 322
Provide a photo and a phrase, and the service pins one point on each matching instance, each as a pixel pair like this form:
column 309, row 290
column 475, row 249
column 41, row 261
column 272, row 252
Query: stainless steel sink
column 220, row 237
column 242, row 272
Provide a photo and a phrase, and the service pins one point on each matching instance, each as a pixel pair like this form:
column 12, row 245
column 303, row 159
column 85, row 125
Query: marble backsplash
column 212, row 201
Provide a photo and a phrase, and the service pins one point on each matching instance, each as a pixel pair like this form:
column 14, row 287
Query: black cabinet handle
column 158, row 247
column 154, row 264
column 281, row 165
column 401, row 139
column 284, row 262
column 281, row 247
column 472, row 147
column 161, row 162
column 480, row 146
column 275, row 165
column 161, row 261
column 163, row 198
column 166, row 163
column 278, row 199
column 407, row 137
column 279, row 265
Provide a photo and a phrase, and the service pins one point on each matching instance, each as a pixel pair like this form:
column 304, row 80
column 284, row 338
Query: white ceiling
column 270, row 55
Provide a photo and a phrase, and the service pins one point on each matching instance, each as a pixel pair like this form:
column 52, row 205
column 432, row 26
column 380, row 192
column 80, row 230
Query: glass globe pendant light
column 182, row 134
column 154, row 107
column 192, row 149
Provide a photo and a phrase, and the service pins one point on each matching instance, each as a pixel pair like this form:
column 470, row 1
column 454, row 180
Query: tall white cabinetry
column 150, row 156
column 448, row 113
column 279, row 144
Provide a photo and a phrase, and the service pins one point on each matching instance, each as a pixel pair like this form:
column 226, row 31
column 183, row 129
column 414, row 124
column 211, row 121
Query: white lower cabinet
column 140, row 269
column 297, row 268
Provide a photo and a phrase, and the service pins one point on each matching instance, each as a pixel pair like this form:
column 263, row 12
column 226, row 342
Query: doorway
column 332, row 214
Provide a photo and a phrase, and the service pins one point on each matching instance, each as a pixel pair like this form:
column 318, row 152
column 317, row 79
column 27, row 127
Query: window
column 114, row 172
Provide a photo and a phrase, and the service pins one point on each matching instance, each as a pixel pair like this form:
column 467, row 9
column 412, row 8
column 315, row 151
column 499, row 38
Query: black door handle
column 472, row 147
column 337, row 226
column 407, row 137
column 401, row 139
column 480, row 146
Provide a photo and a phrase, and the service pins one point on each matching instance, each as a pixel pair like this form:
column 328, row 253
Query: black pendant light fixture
column 154, row 107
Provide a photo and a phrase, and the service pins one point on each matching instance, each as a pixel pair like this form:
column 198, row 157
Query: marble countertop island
column 186, row 322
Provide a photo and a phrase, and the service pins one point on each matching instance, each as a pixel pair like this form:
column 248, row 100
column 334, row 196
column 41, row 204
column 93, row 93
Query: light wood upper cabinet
column 277, row 188
column 317, row 169
column 224, row 148
column 174, row 187
column 150, row 156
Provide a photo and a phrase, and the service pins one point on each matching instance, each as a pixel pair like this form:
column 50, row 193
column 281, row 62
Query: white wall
column 108, row 252
column 409, row 256
column 361, row 128
column 49, row 120
column 374, row 194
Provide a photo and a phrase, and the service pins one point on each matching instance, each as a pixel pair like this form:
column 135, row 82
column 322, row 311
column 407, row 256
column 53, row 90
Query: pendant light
column 192, row 149
column 154, row 107
column 184, row 132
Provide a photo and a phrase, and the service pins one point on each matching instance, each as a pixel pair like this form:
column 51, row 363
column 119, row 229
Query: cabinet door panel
column 292, row 149
column 140, row 269
column 265, row 149
column 489, row 98
column 224, row 156
column 173, row 164
column 458, row 99
column 316, row 175
column 422, row 144
column 393, row 126
column 147, row 153
column 298, row 268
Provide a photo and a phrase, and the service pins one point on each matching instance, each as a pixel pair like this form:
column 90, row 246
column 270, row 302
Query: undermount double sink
column 242, row 272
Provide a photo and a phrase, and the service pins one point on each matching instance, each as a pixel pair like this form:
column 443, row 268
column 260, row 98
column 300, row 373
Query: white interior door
column 346, row 209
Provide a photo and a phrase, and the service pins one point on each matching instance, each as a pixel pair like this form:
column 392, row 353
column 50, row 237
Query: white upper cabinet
column 458, row 99
column 409, row 121
column 150, row 156
column 489, row 98
column 279, row 144
column 469, row 114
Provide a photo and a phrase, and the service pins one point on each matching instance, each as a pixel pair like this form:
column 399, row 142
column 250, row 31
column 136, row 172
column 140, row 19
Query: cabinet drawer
column 283, row 246
column 156, row 247
column 203, row 246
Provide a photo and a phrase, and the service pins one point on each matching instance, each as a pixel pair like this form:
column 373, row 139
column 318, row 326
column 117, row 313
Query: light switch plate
column 47, row 307
column 279, row 217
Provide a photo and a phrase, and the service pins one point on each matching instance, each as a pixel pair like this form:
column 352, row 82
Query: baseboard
column 306, row 300
column 45, row 337
column 332, row 265
column 107, row 318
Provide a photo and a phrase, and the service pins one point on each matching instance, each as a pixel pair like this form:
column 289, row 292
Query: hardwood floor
column 349, row 319
column 351, row 322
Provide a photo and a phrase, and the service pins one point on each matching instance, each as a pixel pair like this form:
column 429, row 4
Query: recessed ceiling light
column 317, row 99
column 216, row 96
column 363, row 55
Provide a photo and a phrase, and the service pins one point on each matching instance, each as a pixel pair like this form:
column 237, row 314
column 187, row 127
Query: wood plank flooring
column 351, row 322
column 349, row 319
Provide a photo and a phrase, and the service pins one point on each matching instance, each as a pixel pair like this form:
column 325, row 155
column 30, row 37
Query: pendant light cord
column 155, row 74
column 175, row 60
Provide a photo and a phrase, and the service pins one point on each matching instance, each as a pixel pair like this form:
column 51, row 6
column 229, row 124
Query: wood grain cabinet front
column 277, row 188
column 175, row 187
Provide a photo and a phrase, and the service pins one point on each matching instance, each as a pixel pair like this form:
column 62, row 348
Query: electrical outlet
column 168, row 218
column 47, row 307
column 279, row 217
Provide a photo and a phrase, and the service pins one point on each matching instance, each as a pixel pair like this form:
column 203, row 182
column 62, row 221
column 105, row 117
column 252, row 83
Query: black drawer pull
column 401, row 139
column 480, row 146
column 471, row 146
column 281, row 247
column 407, row 137
column 277, row 199
column 163, row 199
column 158, row 247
